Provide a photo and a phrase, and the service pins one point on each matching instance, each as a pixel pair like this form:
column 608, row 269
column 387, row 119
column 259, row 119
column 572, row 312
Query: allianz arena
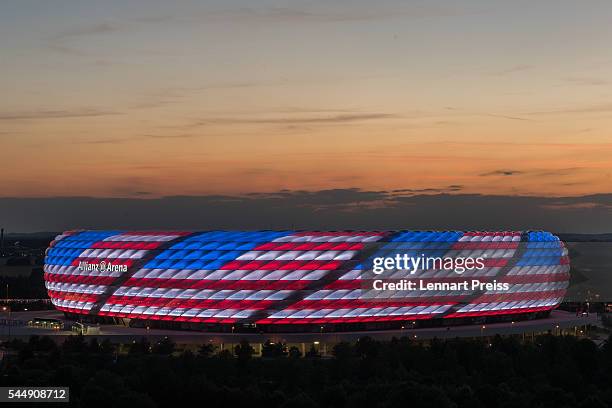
column 297, row 280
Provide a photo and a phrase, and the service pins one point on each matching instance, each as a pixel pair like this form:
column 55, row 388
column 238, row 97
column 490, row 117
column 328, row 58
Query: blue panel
column 210, row 256
column 211, row 245
column 178, row 254
column 182, row 264
column 228, row 246
column 230, row 255
column 195, row 265
column 214, row 265
column 194, row 254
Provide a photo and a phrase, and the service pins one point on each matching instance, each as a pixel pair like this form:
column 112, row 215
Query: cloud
column 505, row 116
column 231, row 85
column 55, row 114
column 502, row 173
column 88, row 30
column 533, row 172
column 326, row 13
column 181, row 136
column 587, row 81
column 116, row 140
column 413, row 191
column 101, row 141
column 459, row 113
column 557, row 172
column 67, row 50
column 302, row 109
column 329, row 119
column 349, row 208
column 512, row 70
column 60, row 42
column 599, row 108
column 198, row 15
column 172, row 95
column 294, row 15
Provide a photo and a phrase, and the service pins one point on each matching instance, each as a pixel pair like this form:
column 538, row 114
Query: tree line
column 550, row 371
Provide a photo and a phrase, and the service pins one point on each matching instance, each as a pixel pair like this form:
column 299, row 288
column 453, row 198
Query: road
column 558, row 321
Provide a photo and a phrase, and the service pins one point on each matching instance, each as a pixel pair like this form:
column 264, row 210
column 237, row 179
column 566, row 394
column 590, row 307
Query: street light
column 8, row 308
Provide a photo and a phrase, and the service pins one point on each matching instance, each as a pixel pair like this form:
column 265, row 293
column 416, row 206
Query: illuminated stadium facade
column 299, row 280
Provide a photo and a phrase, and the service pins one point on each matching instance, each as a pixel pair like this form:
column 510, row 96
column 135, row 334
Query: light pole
column 4, row 309
column 9, row 311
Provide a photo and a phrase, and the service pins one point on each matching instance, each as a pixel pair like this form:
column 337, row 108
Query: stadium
column 299, row 281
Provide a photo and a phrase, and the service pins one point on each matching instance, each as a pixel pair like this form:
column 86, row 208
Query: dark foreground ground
column 548, row 371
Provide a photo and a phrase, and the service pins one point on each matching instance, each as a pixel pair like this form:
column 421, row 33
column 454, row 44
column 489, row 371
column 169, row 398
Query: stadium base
column 311, row 327
column 557, row 323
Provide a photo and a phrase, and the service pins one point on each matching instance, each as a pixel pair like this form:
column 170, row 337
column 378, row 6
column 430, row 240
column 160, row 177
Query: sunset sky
column 159, row 98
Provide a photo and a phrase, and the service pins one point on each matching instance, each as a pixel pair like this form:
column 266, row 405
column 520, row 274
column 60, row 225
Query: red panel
column 126, row 245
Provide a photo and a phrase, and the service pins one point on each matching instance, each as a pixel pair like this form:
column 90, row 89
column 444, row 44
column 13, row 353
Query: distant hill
column 30, row 235
column 569, row 237
column 586, row 237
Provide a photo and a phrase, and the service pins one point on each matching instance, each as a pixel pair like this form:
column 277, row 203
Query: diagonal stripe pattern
column 294, row 277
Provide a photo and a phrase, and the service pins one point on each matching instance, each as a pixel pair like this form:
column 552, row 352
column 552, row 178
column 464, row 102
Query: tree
column 106, row 347
column 244, row 351
column 165, row 346
column 312, row 352
column 94, row 345
column 300, row 401
column 206, row 349
column 342, row 351
column 43, row 344
column 141, row 346
column 294, row 352
column 367, row 348
column 270, row 349
column 75, row 344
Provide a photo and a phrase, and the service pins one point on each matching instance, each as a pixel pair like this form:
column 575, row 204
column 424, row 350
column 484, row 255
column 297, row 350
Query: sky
column 153, row 99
